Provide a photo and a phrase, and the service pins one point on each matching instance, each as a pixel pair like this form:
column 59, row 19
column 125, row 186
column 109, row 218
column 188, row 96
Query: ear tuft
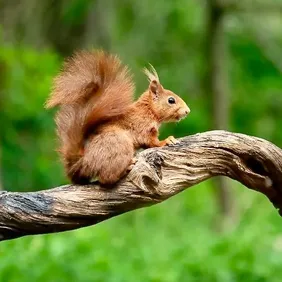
column 151, row 74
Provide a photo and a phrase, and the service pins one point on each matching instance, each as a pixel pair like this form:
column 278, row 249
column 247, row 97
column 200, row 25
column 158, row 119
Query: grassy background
column 179, row 239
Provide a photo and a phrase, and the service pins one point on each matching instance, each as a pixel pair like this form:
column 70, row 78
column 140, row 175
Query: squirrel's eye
column 171, row 100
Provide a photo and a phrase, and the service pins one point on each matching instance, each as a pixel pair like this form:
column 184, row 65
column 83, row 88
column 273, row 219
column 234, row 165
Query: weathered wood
column 158, row 174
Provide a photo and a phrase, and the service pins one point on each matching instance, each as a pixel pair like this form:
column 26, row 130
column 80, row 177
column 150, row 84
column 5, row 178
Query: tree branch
column 158, row 174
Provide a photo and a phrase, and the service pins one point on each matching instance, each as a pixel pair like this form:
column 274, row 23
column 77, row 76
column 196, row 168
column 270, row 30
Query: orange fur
column 98, row 124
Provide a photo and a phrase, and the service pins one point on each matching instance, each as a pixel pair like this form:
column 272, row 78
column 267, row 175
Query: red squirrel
column 99, row 125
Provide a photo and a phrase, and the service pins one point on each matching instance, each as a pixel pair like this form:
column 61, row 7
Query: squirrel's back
column 93, row 86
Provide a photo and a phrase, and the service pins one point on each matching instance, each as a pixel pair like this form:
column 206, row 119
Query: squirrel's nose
column 187, row 111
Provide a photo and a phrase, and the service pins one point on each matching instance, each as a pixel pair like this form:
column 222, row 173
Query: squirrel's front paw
column 171, row 140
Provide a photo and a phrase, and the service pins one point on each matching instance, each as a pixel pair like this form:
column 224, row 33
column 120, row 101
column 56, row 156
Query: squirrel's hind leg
column 113, row 155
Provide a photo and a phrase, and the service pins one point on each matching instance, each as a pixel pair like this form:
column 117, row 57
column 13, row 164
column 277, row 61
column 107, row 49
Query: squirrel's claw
column 133, row 162
column 171, row 140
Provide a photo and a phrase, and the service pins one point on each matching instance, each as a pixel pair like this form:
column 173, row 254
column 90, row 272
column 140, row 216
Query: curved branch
column 158, row 174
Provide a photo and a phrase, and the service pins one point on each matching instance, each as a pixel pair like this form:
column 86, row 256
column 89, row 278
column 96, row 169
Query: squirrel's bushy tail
column 92, row 86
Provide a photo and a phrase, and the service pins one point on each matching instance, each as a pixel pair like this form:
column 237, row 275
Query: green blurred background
column 223, row 58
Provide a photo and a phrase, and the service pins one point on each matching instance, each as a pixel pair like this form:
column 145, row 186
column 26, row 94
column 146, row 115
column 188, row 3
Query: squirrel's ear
column 154, row 87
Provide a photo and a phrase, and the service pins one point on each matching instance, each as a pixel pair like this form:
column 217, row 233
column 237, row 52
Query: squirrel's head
column 168, row 106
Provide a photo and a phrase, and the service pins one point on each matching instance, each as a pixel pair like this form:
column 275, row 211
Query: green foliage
column 256, row 88
column 145, row 245
column 28, row 128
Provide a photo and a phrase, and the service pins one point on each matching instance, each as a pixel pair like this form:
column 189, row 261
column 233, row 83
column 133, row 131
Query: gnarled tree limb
column 158, row 174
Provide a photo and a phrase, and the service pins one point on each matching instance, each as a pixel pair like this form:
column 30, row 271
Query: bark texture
column 158, row 174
